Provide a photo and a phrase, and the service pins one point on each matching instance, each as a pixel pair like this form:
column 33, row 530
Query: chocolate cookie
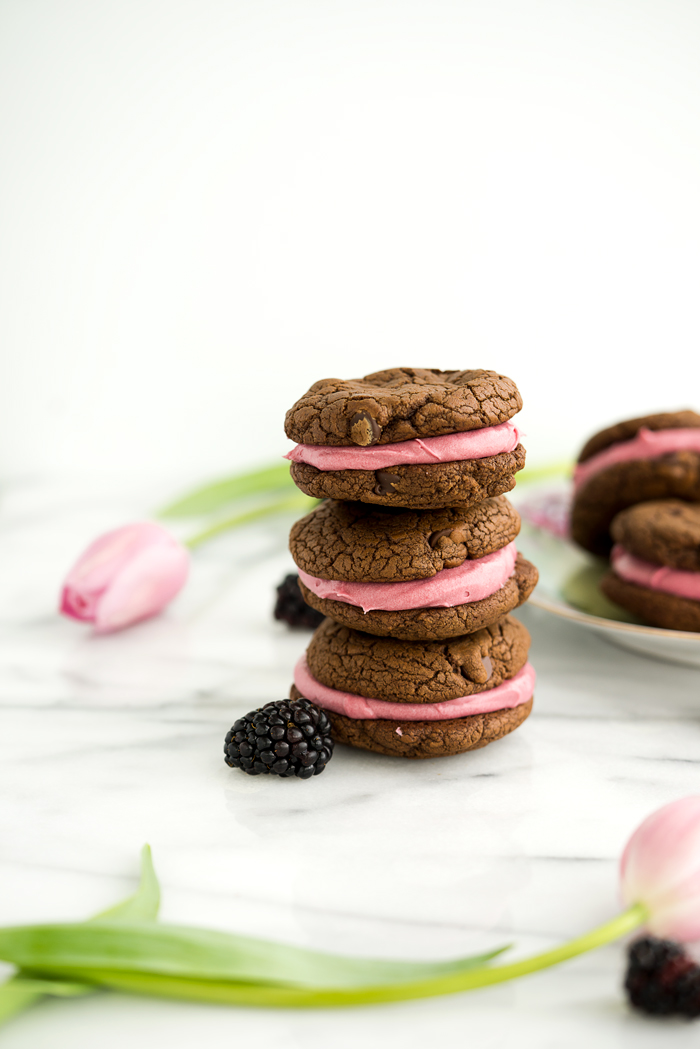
column 655, row 563
column 359, row 542
column 664, row 532
column 432, row 623
column 651, row 457
column 417, row 671
column 652, row 606
column 400, row 404
column 419, row 699
column 419, row 486
column 413, row 437
column 426, row 739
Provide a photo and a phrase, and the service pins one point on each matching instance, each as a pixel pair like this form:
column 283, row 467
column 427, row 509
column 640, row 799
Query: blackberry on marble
column 662, row 979
column 290, row 606
column 284, row 738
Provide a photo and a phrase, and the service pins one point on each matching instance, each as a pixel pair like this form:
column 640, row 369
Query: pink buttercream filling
column 510, row 694
column 648, row 444
column 450, row 448
column 471, row 581
column 674, row 581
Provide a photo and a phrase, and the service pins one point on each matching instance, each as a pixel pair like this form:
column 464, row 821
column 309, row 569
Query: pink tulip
column 125, row 575
column 660, row 868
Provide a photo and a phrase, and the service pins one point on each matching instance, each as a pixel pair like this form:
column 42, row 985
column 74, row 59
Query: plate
column 569, row 578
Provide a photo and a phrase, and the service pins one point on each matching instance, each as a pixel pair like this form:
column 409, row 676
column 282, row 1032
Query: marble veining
column 110, row 742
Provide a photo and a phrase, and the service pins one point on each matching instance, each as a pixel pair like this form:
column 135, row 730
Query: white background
column 209, row 204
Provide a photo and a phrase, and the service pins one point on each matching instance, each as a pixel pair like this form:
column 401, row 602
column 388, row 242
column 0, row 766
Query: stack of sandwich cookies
column 654, row 457
column 655, row 563
column 419, row 572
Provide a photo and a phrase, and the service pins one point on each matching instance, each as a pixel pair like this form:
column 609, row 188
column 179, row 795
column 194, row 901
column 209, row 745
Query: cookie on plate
column 655, row 563
column 412, row 575
column 417, row 437
column 419, row 699
column 653, row 457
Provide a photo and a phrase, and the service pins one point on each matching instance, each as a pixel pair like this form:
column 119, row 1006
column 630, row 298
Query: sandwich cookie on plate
column 655, row 563
column 653, row 457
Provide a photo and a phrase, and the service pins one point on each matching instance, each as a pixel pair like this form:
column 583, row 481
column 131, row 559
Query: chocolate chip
column 435, row 537
column 385, row 482
column 364, row 429
column 475, row 673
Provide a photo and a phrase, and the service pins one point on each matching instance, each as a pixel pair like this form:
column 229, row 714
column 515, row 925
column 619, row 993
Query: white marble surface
column 110, row 742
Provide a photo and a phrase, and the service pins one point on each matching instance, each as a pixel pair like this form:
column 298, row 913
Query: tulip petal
column 110, row 553
column 677, row 916
column 144, row 586
column 78, row 605
column 660, row 867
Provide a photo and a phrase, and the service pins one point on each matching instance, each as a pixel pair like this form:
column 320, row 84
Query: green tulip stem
column 295, row 502
column 621, row 925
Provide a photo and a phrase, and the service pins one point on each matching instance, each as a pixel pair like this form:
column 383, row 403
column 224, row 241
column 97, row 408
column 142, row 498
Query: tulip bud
column 660, row 868
column 124, row 576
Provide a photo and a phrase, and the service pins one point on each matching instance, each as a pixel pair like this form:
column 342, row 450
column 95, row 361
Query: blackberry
column 285, row 738
column 291, row 606
column 662, row 979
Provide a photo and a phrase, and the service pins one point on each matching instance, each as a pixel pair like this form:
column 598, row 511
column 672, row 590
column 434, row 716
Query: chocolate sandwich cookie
column 415, row 437
column 358, row 542
column 635, row 461
column 655, row 563
column 419, row 699
column 413, row 575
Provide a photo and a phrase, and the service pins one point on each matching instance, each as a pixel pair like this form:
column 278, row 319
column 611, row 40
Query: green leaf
column 44, row 985
column 17, row 994
column 144, row 904
column 124, row 949
column 24, row 989
column 200, row 954
column 475, row 972
column 215, row 496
